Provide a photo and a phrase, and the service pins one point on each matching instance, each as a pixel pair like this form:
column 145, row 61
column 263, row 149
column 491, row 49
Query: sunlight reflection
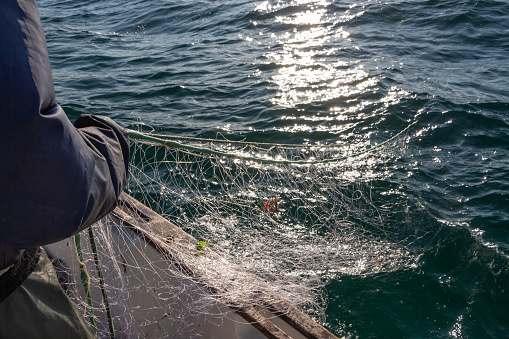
column 322, row 83
column 308, row 72
column 308, row 17
column 271, row 5
column 301, row 84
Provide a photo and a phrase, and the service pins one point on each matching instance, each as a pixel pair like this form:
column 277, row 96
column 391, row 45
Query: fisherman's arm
column 55, row 178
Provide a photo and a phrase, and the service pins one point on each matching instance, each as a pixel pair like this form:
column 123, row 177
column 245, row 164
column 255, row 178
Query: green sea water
column 319, row 71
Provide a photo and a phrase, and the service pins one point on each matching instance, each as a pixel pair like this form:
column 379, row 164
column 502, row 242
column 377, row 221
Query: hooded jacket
column 56, row 178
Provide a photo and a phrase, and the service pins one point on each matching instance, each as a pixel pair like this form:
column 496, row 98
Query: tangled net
column 283, row 227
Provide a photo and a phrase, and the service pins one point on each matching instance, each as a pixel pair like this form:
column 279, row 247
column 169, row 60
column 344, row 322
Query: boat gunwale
column 156, row 228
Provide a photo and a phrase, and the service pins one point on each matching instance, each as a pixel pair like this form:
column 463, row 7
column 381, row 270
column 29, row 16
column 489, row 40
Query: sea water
column 317, row 71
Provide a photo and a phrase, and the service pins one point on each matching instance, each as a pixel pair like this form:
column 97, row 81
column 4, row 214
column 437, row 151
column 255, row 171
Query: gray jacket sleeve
column 56, row 178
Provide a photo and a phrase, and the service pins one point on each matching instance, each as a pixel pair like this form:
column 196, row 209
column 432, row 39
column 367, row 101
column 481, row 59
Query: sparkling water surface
column 322, row 71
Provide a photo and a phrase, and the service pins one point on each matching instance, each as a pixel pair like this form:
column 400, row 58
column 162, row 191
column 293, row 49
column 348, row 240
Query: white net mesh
column 261, row 230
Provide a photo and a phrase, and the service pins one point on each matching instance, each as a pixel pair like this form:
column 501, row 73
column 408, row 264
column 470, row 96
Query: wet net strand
column 284, row 227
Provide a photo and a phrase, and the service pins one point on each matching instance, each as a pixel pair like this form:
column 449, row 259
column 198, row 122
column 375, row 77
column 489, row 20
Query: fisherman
column 56, row 179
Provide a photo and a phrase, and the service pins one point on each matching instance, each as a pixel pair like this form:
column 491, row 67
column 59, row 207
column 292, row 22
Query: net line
column 287, row 227
column 168, row 141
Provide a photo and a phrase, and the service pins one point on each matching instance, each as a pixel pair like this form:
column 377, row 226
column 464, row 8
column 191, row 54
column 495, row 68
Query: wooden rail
column 158, row 232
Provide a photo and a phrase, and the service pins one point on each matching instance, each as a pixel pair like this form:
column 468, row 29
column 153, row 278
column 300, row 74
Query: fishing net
column 268, row 221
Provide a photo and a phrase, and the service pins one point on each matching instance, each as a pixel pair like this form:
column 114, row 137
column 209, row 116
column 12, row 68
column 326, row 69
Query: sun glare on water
column 308, row 69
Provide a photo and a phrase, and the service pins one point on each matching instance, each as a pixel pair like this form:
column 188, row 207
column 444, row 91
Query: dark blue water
column 308, row 71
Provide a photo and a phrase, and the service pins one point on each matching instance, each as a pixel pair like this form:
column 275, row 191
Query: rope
column 85, row 280
column 133, row 135
column 106, row 304
column 230, row 142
